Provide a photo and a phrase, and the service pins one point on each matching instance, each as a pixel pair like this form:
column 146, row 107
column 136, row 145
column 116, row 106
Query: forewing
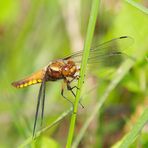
column 108, row 51
column 40, row 100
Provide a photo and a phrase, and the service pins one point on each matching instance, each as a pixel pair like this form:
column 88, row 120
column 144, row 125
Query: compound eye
column 65, row 71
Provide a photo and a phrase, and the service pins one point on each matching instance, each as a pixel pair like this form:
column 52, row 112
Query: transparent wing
column 109, row 51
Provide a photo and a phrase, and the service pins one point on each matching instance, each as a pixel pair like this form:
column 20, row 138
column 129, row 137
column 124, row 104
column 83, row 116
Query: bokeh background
column 32, row 33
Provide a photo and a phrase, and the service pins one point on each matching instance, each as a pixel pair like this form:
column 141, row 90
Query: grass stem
column 87, row 45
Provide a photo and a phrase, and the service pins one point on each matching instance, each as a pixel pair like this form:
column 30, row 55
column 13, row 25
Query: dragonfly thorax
column 61, row 69
column 69, row 69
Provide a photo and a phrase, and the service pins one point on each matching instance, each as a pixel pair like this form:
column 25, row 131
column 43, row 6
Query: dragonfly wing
column 41, row 99
column 110, row 51
column 100, row 53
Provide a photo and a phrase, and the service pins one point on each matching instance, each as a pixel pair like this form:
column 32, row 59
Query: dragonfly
column 67, row 69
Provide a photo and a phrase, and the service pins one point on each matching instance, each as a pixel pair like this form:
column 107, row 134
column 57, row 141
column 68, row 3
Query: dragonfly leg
column 75, row 77
column 74, row 87
column 71, row 89
column 62, row 93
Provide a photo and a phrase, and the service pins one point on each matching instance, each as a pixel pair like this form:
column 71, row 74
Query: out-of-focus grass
column 135, row 132
column 138, row 6
column 34, row 32
column 26, row 47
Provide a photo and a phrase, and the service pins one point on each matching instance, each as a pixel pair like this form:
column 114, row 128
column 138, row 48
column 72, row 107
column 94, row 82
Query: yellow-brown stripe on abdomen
column 25, row 83
column 33, row 79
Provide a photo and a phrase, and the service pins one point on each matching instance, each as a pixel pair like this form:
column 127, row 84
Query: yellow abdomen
column 33, row 79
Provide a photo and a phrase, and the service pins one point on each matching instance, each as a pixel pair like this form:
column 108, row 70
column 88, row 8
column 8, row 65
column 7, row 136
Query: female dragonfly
column 67, row 69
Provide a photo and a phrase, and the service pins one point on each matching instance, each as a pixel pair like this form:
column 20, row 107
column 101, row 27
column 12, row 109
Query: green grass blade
column 30, row 139
column 138, row 6
column 87, row 45
column 129, row 138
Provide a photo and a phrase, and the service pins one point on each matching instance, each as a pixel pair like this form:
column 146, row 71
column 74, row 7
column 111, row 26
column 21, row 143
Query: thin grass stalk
column 138, row 6
column 87, row 45
column 130, row 137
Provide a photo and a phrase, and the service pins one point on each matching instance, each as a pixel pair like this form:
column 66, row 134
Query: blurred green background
column 32, row 33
